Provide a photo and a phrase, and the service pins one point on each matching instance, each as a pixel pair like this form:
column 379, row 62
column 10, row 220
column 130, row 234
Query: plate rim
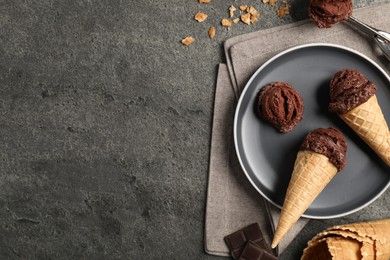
column 239, row 104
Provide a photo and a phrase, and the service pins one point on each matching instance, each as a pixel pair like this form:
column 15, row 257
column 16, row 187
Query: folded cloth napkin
column 232, row 203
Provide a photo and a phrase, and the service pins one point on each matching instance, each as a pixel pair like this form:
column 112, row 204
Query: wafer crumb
column 246, row 18
column 272, row 2
column 247, row 14
column 232, row 9
column 212, row 32
column 226, row 22
column 252, row 10
column 188, row 40
column 283, row 10
column 200, row 17
column 254, row 18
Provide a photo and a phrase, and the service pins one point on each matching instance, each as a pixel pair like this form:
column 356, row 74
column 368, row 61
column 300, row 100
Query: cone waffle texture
column 342, row 248
column 318, row 250
column 312, row 172
column 365, row 240
column 341, row 233
column 368, row 122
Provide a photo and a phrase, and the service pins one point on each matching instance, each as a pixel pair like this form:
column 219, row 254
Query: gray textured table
column 105, row 126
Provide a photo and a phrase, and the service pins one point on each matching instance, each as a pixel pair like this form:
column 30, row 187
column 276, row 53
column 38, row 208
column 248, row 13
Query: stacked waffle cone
column 369, row 124
column 364, row 240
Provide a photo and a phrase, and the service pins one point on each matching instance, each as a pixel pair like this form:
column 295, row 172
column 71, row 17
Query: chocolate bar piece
column 238, row 240
column 254, row 252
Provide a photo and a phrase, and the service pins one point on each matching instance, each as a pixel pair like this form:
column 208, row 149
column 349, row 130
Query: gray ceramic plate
column 267, row 156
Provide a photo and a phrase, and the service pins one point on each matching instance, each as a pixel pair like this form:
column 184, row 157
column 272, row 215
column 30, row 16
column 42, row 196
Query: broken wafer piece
column 232, row 9
column 243, row 7
column 252, row 10
column 226, row 22
column 212, row 32
column 283, row 10
column 200, row 17
column 246, row 18
column 254, row 18
column 188, row 40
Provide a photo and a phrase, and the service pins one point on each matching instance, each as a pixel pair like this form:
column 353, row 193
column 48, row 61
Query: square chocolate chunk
column 238, row 240
column 254, row 252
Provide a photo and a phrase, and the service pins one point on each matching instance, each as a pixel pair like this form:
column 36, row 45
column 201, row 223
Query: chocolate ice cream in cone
column 352, row 97
column 322, row 154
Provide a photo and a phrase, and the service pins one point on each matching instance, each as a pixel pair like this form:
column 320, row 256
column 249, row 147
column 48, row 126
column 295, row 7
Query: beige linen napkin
column 232, row 203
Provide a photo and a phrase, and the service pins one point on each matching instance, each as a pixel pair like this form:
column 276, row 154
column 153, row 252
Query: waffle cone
column 344, row 248
column 318, row 250
column 373, row 238
column 378, row 231
column 367, row 249
column 333, row 248
column 341, row 233
column 368, row 122
column 312, row 172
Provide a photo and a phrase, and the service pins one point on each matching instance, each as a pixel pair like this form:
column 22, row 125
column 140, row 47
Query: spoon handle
column 368, row 29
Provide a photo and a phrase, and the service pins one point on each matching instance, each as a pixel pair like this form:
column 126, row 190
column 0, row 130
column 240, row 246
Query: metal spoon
column 382, row 38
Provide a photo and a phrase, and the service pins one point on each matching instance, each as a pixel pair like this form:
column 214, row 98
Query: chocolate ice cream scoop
column 329, row 142
column 348, row 89
column 327, row 12
column 281, row 105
